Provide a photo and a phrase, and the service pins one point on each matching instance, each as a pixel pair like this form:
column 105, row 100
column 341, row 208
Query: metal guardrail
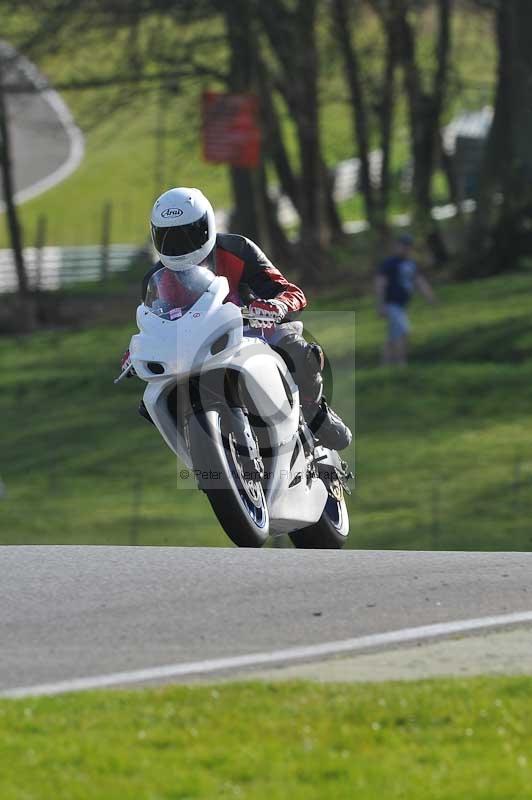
column 52, row 268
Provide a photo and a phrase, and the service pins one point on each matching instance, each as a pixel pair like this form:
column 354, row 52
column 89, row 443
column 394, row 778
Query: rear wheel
column 234, row 490
column 331, row 530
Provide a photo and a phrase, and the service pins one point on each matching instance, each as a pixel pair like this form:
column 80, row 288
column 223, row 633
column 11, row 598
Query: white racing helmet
column 183, row 228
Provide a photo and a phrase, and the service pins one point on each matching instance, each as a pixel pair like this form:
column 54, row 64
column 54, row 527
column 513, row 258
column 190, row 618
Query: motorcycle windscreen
column 171, row 294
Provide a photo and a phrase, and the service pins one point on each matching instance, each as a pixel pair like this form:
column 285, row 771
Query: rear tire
column 329, row 533
column 240, row 506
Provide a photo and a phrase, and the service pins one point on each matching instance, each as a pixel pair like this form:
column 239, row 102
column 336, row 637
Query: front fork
column 246, row 442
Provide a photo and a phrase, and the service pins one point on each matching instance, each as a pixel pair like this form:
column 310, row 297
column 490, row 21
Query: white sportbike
column 226, row 404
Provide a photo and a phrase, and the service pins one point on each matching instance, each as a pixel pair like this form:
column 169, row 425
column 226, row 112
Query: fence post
column 107, row 219
column 41, row 235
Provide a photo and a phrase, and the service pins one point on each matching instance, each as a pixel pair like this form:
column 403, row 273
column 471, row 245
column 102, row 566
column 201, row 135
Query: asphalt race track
column 47, row 145
column 68, row 614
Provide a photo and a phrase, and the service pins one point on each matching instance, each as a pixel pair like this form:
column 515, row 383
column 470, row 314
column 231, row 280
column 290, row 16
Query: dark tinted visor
column 181, row 239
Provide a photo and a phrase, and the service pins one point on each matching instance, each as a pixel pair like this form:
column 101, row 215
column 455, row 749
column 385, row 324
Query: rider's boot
column 326, row 425
column 306, row 363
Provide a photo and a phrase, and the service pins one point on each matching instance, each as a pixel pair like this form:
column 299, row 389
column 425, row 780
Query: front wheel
column 235, row 494
column 329, row 533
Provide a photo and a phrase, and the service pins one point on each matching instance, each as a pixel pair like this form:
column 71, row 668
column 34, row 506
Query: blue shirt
column 400, row 274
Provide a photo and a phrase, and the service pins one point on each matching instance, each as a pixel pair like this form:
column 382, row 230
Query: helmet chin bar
column 175, row 263
column 195, row 259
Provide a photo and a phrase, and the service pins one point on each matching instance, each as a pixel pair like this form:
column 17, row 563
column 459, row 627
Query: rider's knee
column 300, row 355
column 305, row 362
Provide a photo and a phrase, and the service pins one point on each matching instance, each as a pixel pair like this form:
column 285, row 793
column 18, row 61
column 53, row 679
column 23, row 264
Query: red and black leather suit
column 251, row 274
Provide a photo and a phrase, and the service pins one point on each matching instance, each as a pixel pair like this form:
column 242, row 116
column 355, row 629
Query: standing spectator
column 397, row 279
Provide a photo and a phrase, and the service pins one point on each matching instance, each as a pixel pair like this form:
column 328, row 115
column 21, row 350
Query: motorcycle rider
column 184, row 234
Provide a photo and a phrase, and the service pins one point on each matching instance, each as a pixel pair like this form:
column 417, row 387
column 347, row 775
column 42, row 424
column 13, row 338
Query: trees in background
column 501, row 231
column 278, row 50
column 254, row 209
column 425, row 98
column 291, row 63
column 248, row 215
column 358, row 96
column 424, row 91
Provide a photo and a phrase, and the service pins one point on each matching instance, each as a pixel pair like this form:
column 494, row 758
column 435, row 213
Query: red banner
column 230, row 128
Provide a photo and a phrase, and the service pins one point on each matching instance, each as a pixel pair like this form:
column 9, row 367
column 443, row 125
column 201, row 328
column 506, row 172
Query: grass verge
column 442, row 449
column 443, row 740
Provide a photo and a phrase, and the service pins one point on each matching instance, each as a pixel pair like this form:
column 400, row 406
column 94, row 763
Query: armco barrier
column 52, row 268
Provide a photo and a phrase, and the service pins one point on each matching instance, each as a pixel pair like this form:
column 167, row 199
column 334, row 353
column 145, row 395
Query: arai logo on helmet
column 171, row 212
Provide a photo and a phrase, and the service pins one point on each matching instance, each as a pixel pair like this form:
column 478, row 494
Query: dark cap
column 406, row 239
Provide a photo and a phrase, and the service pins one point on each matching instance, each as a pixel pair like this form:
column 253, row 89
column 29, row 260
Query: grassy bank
column 444, row 740
column 442, row 449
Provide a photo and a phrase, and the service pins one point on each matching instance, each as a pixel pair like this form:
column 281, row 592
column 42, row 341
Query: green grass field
column 445, row 740
column 443, row 453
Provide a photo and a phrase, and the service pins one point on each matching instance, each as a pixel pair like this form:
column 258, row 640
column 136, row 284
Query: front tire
column 329, row 533
column 238, row 504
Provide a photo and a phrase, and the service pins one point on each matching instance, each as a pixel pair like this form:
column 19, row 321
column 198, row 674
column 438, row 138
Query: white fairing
column 183, row 348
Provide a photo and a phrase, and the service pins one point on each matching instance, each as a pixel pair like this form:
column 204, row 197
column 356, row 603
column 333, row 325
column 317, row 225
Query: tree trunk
column 386, row 116
column 500, row 233
column 307, row 125
column 248, row 217
column 512, row 234
column 6, row 168
column 280, row 249
column 292, row 36
column 329, row 219
column 334, row 220
column 479, row 240
column 246, row 214
column 274, row 142
column 425, row 107
column 358, row 104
